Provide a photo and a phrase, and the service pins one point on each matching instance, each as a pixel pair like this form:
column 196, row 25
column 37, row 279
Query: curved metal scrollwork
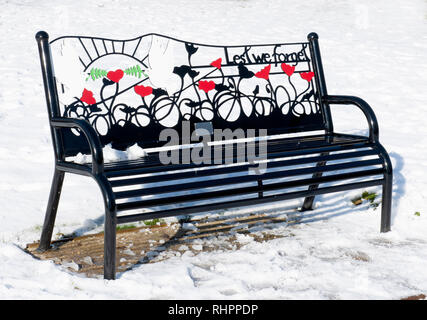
column 261, row 86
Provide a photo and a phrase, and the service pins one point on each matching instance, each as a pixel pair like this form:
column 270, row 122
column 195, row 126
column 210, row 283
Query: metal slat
column 153, row 159
column 74, row 168
column 245, row 202
column 151, row 163
column 272, row 145
column 232, row 169
column 156, row 166
column 245, row 190
column 243, row 179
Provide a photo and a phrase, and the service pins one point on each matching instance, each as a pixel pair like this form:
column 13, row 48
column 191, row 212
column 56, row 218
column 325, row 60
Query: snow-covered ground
column 374, row 49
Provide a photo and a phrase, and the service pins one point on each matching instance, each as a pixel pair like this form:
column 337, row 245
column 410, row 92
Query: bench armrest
column 91, row 136
column 362, row 105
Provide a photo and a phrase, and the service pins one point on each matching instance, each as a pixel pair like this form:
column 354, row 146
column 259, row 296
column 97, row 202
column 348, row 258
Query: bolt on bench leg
column 52, row 207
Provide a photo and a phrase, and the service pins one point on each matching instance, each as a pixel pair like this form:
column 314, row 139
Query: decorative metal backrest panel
column 131, row 90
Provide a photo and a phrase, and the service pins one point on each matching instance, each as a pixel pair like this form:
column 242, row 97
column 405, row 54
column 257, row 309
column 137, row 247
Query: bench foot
column 52, row 207
column 307, row 205
column 308, row 201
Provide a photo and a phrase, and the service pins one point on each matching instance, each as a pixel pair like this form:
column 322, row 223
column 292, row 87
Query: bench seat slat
column 245, row 202
column 152, row 163
column 245, row 190
column 174, row 167
column 273, row 145
column 233, row 169
column 243, row 179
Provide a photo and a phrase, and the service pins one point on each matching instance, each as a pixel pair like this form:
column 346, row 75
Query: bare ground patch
column 150, row 244
column 416, row 297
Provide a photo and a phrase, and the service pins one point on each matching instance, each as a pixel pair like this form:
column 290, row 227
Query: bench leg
column 308, row 201
column 109, row 227
column 387, row 189
column 386, row 203
column 52, row 207
column 109, row 246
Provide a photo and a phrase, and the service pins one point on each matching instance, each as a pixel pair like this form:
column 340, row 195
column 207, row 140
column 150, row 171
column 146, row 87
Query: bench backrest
column 130, row 90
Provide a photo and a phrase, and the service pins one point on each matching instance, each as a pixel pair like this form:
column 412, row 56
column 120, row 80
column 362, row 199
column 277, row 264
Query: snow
column 376, row 50
column 111, row 155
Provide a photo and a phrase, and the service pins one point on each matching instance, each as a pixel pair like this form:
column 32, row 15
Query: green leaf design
column 96, row 73
column 135, row 71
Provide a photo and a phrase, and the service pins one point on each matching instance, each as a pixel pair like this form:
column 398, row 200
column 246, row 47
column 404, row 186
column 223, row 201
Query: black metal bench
column 278, row 87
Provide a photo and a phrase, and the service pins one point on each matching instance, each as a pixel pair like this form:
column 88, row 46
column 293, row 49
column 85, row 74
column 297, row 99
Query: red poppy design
column 264, row 73
column 206, row 86
column 87, row 96
column 307, row 75
column 143, row 91
column 217, row 63
column 289, row 70
column 115, row 76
